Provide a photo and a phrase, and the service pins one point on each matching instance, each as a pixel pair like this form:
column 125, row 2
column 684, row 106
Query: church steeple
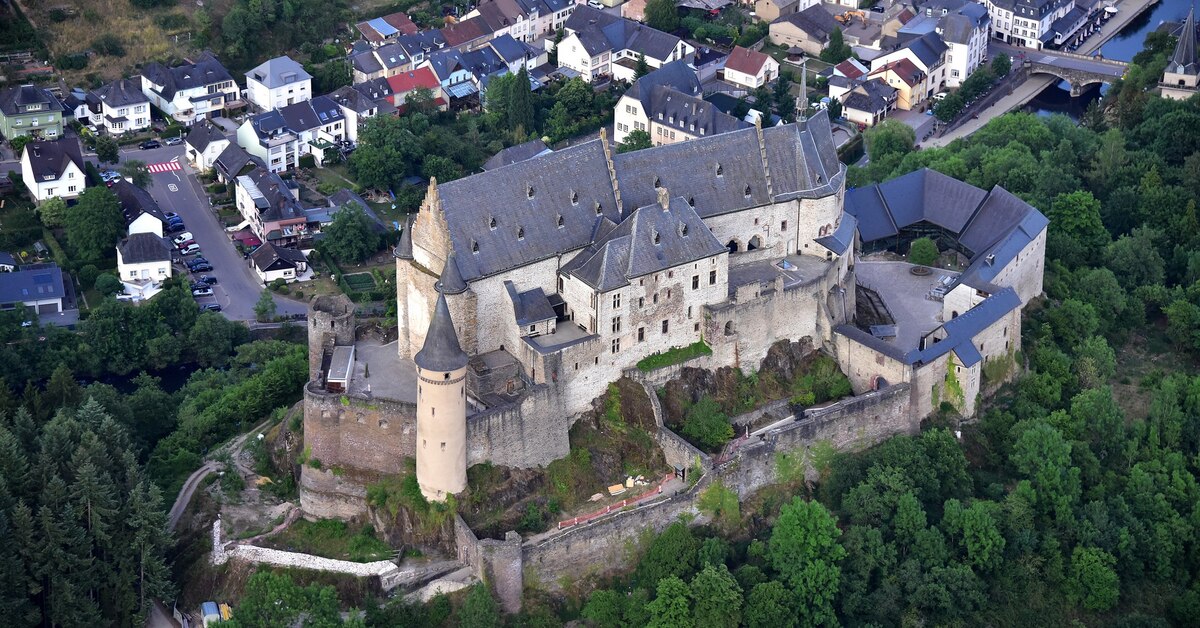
column 1184, row 59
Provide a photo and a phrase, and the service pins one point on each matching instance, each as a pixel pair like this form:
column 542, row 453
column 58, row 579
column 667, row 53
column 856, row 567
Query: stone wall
column 498, row 563
column 531, row 432
column 324, row 495
column 361, row 432
column 777, row 409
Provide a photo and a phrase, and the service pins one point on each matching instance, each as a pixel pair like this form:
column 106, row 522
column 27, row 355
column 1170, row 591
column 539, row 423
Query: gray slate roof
column 276, row 202
column 136, row 201
column 814, row 21
column 270, row 257
column 122, row 93
column 144, row 247
column 529, row 307
column 451, row 281
column 278, row 72
column 514, row 154
column 43, row 282
column 205, row 71
column 551, row 205
column 202, row 134
column 1184, row 59
column 958, row 26
column 928, row 48
column 690, row 114
column 233, row 160
column 441, row 351
column 599, row 31
column 678, row 75
column 14, row 99
column 48, row 159
column 350, row 98
column 871, row 96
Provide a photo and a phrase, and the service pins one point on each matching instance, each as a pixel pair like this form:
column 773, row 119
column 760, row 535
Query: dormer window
column 520, row 233
column 529, row 191
column 574, row 197
column 492, row 223
column 747, row 191
column 660, row 115
column 560, row 221
column 657, row 182
column 474, row 246
column 599, row 209
column 683, row 229
column 692, row 201
column 720, row 170
column 657, row 238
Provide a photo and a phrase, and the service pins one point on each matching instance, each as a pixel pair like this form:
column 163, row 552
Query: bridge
column 1077, row 70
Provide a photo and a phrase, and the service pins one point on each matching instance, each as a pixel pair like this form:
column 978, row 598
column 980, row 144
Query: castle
column 523, row 291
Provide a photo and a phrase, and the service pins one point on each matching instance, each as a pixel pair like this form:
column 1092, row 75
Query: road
column 189, row 489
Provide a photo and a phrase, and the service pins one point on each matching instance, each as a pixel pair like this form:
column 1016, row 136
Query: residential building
column 515, row 53
column 30, row 110
column 468, row 34
column 1033, row 23
column 667, row 103
column 508, row 17
column 270, row 208
column 53, row 168
column 515, row 154
column 1180, row 77
column 37, row 286
column 927, row 54
column 277, row 83
column 965, row 33
column 119, row 107
column 8, row 263
column 192, row 91
column 552, row 15
column 272, row 262
column 204, row 143
column 143, row 263
column 141, row 211
column 385, row 29
column 750, row 68
column 380, row 62
column 234, row 161
column 909, row 82
column 868, row 102
column 601, row 44
column 771, row 10
column 404, row 84
column 280, row 137
column 808, row 30
column 356, row 108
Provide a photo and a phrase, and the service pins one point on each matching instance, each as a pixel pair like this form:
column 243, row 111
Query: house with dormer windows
column 53, row 168
column 191, row 91
column 30, row 110
column 277, row 83
column 119, row 107
column 280, row 137
column 600, row 44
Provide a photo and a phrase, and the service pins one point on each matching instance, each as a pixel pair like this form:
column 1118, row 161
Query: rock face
column 405, row 530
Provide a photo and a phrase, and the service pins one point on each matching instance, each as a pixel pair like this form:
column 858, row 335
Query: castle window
column 655, row 299
column 529, row 191
column 433, row 412
column 616, row 324
column 712, row 277
column 657, row 238
column 641, row 334
column 616, row 345
column 492, row 223
column 747, row 191
column 617, row 300
column 783, row 226
column 520, row 233
column 665, row 324
column 474, row 246
column 683, row 229
column 641, row 302
column 599, row 209
column 668, row 293
column 692, row 201
column 696, row 328
column 560, row 221
column 657, row 182
column 574, row 197
column 443, row 446
column 445, row 376
column 695, row 281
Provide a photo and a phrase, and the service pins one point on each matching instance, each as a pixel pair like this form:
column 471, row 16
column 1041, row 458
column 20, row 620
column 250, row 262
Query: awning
column 462, row 90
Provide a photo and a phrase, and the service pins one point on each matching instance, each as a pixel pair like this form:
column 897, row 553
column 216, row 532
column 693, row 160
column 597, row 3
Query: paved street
column 180, row 192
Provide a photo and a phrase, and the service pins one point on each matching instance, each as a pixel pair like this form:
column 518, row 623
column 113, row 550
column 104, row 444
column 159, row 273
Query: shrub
column 87, row 276
column 706, row 426
column 71, row 61
column 108, row 44
column 107, row 284
column 922, row 252
column 308, row 161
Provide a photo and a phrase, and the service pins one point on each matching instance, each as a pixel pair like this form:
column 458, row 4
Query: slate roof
column 677, row 75
column 122, row 93
column 136, row 201
column 45, row 282
column 278, row 72
column 233, row 160
column 466, row 31
column 7, row 259
column 202, row 134
column 451, row 281
column 871, row 96
column 652, row 239
column 274, row 201
column 509, row 49
column 550, row 205
column 993, row 225
column 599, row 32
column 441, row 351
column 14, row 97
column 421, row 43
column 140, row 248
column 1184, row 59
column 1064, row 25
column 928, row 48
column 48, row 159
column 690, row 114
column 958, row 26
column 814, row 21
column 206, row 70
column 904, row 69
column 297, row 117
column 349, row 98
column 366, row 62
column 374, row 89
column 745, row 61
column 529, row 307
column 500, row 14
column 842, row 238
column 514, row 154
column 267, row 255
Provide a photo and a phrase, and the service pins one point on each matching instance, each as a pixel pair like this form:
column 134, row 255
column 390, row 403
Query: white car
column 191, row 249
column 183, row 237
column 202, row 292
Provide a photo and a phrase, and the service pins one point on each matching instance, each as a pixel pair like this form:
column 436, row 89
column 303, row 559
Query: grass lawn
column 332, row 539
column 360, row 281
column 1145, row 359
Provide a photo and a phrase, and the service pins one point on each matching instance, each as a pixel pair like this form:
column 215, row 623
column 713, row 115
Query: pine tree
column 520, row 105
column 147, row 522
column 62, row 390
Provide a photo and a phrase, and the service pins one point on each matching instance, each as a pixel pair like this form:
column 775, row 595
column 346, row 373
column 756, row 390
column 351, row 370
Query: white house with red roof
column 405, row 83
column 749, row 68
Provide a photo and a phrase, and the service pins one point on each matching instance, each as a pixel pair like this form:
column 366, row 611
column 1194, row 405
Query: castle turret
column 441, row 408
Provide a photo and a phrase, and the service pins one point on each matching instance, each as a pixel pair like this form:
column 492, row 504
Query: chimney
column 664, row 197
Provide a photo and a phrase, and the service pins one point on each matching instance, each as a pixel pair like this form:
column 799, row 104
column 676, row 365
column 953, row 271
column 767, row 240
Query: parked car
column 202, row 292
column 186, row 243
column 190, row 249
column 209, row 279
column 175, row 227
column 173, row 141
column 210, row 307
column 170, row 215
column 109, row 175
column 196, row 285
column 183, row 237
column 149, row 144
column 202, row 268
column 197, row 262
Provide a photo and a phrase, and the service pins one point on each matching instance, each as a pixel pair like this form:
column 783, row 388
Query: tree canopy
column 351, row 237
column 95, row 223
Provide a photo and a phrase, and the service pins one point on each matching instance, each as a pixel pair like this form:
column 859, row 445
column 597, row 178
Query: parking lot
column 178, row 191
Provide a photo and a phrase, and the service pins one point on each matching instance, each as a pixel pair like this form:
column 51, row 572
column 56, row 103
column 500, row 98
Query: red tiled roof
column 905, row 16
column 905, row 69
column 465, row 31
column 848, row 69
column 405, row 82
column 745, row 61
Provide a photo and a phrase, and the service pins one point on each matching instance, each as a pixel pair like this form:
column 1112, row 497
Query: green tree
column 1075, row 218
column 95, row 223
column 274, row 599
column 351, row 236
column 212, row 339
column 662, row 15
column 520, row 105
column 805, row 553
column 53, row 212
column 721, row 503
column 981, row 536
column 479, row 610
column 671, row 607
column 1094, row 583
column 1042, row 455
column 1002, row 64
column 605, row 608
column 672, row 553
column 769, row 605
column 837, row 50
column 706, row 425
column 108, row 284
column 642, row 68
column 889, row 140
column 264, row 309
column 716, row 598
column 441, row 168
column 107, row 149
column 635, row 140
column 62, row 390
column 137, row 173
column 922, row 252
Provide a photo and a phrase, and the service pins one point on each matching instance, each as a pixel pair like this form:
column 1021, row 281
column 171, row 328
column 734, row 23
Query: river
column 1127, row 43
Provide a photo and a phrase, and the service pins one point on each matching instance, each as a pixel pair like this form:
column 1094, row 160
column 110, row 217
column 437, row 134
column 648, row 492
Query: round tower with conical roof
column 441, row 408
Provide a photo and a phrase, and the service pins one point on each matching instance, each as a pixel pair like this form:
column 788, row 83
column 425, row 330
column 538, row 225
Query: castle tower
column 441, row 408
column 330, row 323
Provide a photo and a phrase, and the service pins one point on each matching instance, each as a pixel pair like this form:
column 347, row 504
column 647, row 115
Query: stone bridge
column 1079, row 71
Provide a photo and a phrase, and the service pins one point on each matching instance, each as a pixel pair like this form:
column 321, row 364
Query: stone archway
column 754, row 244
column 734, row 246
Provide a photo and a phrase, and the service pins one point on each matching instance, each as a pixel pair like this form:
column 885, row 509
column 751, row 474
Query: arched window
column 754, row 244
column 729, row 328
column 734, row 246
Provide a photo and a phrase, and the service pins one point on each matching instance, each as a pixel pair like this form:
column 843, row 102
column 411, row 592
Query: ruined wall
column 324, row 495
column 364, row 433
column 496, row 562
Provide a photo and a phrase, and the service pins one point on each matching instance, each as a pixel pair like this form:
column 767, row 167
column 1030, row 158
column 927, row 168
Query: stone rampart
column 778, row 409
column 493, row 561
column 678, row 452
column 530, row 432
column 361, row 432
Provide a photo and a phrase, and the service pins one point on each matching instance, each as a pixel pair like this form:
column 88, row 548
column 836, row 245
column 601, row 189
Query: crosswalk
column 166, row 166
